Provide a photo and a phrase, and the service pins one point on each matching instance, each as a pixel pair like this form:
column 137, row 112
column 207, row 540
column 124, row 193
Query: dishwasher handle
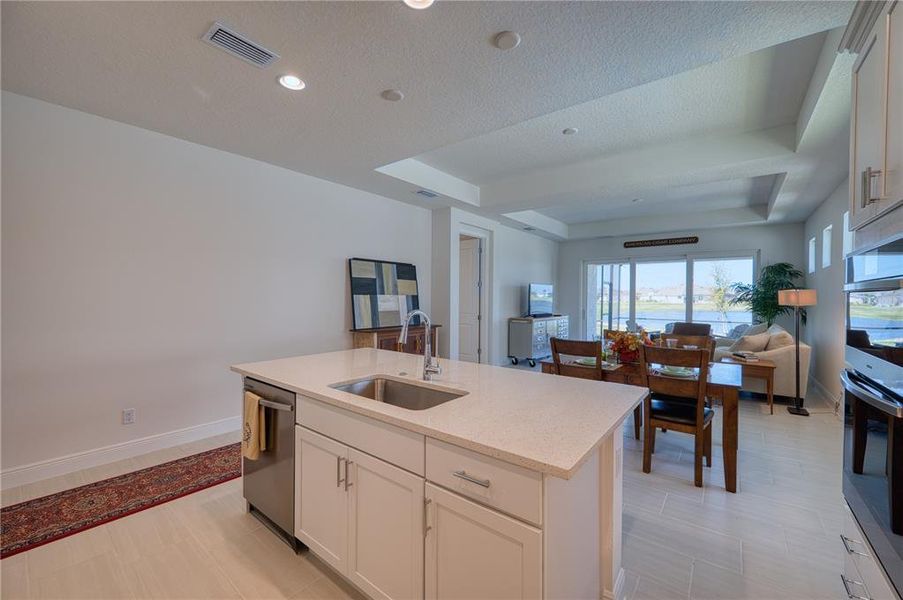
column 276, row 405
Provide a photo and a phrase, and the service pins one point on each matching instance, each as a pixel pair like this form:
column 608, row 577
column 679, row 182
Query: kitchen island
column 511, row 488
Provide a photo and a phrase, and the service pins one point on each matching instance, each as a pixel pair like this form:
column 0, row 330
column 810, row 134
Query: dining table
column 724, row 381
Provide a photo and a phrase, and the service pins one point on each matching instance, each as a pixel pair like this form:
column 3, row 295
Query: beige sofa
column 784, row 356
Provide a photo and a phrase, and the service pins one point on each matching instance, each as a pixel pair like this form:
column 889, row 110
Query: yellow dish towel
column 253, row 439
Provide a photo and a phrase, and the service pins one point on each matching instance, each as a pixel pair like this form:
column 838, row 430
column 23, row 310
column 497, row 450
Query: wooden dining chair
column 692, row 329
column 675, row 403
column 582, row 349
column 706, row 342
column 586, row 349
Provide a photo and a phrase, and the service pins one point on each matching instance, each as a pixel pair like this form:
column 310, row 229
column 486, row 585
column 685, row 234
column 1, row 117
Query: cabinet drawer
column 860, row 565
column 509, row 488
column 392, row 444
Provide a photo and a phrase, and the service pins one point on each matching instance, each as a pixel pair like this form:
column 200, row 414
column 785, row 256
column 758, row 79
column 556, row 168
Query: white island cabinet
column 512, row 490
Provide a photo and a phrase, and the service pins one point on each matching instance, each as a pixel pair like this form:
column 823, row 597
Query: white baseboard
column 827, row 394
column 62, row 465
column 619, row 592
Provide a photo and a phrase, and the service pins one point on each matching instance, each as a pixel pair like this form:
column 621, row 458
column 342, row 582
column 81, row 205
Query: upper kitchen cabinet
column 893, row 163
column 876, row 132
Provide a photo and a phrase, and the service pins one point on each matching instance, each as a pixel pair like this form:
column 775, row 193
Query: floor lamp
column 796, row 299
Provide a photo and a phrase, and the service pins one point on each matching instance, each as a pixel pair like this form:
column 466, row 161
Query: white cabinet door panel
column 893, row 182
column 867, row 130
column 323, row 511
column 475, row 553
column 386, row 529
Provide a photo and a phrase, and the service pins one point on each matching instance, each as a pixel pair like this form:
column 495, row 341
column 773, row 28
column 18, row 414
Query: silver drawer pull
column 846, row 587
column 338, row 471
column 846, row 544
column 463, row 475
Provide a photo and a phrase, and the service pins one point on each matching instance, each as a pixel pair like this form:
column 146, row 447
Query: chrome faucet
column 430, row 368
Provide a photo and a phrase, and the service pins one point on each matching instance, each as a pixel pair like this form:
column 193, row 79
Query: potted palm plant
column 762, row 295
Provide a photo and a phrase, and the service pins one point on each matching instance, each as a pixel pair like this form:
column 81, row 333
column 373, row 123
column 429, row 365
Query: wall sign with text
column 678, row 241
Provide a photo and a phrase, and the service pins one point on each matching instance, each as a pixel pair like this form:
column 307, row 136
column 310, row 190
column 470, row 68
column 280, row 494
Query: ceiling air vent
column 427, row 194
column 237, row 45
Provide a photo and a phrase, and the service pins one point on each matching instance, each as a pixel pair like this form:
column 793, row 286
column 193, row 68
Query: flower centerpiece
column 626, row 344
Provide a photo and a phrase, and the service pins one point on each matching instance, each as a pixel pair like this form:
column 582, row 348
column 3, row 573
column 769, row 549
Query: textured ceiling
column 717, row 195
column 143, row 63
column 756, row 91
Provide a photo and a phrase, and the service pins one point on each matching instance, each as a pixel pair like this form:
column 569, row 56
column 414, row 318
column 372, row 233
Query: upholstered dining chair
column 585, row 349
column 676, row 403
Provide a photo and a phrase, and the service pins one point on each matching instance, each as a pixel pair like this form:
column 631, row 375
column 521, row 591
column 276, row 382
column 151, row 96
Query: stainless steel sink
column 398, row 393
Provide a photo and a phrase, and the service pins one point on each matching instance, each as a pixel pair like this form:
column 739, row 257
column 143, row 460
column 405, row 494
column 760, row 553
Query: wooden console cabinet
column 386, row 338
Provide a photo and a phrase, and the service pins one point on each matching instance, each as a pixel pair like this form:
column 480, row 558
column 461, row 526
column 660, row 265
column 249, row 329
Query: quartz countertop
column 542, row 422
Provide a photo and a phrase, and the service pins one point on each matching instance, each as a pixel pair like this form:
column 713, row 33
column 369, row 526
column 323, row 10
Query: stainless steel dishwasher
column 269, row 481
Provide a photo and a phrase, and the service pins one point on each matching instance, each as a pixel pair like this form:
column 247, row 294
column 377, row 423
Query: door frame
column 486, row 292
column 482, row 342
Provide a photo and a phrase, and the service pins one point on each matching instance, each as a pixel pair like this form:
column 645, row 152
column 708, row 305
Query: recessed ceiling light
column 506, row 40
column 392, row 95
column 291, row 82
column 570, row 131
column 419, row 4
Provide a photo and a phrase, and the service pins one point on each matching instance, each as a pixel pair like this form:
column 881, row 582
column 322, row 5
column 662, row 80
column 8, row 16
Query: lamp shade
column 797, row 297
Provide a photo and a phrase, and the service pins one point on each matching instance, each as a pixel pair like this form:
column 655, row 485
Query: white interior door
column 386, row 529
column 475, row 553
column 323, row 514
column 469, row 305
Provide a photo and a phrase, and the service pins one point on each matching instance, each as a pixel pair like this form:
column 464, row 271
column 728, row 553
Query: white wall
column 774, row 243
column 137, row 267
column 516, row 258
column 826, row 321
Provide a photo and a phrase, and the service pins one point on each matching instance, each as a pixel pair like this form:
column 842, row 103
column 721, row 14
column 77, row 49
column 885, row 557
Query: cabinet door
column 867, row 130
column 386, row 528
column 893, row 163
column 322, row 517
column 475, row 553
column 387, row 341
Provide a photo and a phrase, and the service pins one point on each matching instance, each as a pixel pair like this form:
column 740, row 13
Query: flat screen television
column 540, row 299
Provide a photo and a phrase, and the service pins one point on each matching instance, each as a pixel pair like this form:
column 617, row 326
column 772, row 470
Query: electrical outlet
column 128, row 416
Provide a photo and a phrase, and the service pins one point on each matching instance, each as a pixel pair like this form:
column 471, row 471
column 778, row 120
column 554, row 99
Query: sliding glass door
column 607, row 298
column 661, row 294
column 712, row 294
column 655, row 294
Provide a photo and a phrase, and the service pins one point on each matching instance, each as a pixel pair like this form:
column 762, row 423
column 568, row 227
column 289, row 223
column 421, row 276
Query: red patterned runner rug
column 43, row 520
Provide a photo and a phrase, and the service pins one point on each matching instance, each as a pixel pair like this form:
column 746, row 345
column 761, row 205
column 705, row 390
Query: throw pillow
column 779, row 340
column 751, row 343
column 756, row 329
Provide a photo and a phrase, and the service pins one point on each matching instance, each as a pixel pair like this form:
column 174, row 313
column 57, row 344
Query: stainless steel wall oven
column 873, row 401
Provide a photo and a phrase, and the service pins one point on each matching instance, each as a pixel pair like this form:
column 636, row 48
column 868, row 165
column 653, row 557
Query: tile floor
column 777, row 538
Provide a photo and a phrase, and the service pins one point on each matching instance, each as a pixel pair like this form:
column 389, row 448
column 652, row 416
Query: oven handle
column 886, row 406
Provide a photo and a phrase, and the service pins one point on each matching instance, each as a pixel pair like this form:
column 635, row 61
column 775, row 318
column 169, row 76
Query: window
column 652, row 294
column 607, row 298
column 826, row 235
column 661, row 294
column 812, row 255
column 712, row 293
column 847, row 234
